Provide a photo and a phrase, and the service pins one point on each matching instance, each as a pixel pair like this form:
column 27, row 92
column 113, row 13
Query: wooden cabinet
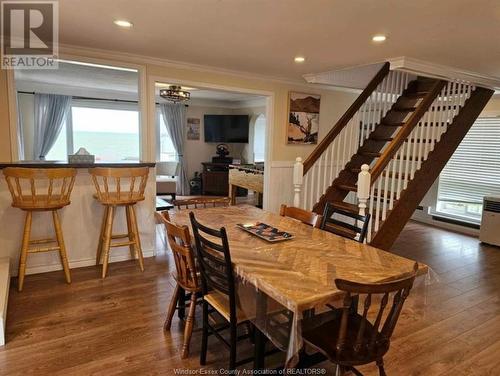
column 215, row 179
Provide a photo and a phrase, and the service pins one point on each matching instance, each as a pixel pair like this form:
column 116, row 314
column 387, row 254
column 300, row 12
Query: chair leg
column 137, row 238
column 188, row 330
column 204, row 335
column 62, row 247
column 232, row 350
column 130, row 232
column 171, row 308
column 380, row 365
column 24, row 250
column 101, row 236
column 107, row 239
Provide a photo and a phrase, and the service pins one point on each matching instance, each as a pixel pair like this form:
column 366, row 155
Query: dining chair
column 350, row 339
column 201, row 202
column 342, row 227
column 304, row 216
column 218, row 289
column 186, row 277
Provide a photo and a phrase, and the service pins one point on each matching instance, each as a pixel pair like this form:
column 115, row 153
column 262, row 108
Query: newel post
column 364, row 181
column 298, row 175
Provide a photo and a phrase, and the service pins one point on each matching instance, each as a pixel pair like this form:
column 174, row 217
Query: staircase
column 405, row 128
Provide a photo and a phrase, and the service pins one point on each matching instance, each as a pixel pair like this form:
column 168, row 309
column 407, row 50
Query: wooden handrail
column 405, row 131
column 344, row 120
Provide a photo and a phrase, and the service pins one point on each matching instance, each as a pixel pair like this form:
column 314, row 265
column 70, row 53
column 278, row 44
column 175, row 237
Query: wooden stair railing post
column 344, row 120
column 429, row 171
column 364, row 183
column 403, row 134
column 298, row 176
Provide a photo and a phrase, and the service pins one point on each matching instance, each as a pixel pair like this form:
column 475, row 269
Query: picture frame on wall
column 193, row 129
column 303, row 118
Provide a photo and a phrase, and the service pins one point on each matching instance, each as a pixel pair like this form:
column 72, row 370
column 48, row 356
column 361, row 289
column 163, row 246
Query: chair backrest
column 180, row 243
column 166, row 168
column 40, row 187
column 367, row 340
column 201, row 202
column 119, row 184
column 343, row 228
column 214, row 260
column 307, row 217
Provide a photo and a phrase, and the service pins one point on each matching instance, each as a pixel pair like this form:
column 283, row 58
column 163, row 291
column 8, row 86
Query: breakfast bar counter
column 81, row 220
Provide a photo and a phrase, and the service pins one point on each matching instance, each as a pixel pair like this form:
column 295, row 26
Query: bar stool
column 38, row 189
column 119, row 187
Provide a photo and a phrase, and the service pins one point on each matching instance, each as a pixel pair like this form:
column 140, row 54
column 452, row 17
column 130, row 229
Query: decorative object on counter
column 195, row 184
column 193, row 129
column 129, row 185
column 175, row 94
column 303, row 118
column 81, row 156
column 36, row 190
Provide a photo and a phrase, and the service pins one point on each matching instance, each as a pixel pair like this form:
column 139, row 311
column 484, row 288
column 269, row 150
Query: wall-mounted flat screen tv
column 226, row 128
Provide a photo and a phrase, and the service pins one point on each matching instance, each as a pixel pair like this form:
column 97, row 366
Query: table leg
column 232, row 193
column 260, row 338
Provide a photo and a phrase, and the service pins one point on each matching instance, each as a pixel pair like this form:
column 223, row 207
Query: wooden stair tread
column 367, row 153
column 346, row 206
column 347, row 187
column 398, row 124
column 404, row 109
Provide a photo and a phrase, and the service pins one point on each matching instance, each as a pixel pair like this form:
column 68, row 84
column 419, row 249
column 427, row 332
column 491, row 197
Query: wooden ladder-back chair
column 304, row 216
column 186, row 277
column 201, row 202
column 357, row 230
column 119, row 187
column 351, row 339
column 218, row 289
column 40, row 189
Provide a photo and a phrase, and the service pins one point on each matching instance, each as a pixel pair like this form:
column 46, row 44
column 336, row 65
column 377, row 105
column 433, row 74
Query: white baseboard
column 4, row 295
column 82, row 263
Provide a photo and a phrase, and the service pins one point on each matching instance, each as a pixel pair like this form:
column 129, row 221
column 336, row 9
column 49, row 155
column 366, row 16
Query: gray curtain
column 51, row 111
column 174, row 116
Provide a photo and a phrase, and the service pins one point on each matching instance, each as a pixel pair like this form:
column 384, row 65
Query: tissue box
column 82, row 158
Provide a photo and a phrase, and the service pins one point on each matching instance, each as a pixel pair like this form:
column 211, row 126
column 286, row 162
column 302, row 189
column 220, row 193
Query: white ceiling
column 263, row 36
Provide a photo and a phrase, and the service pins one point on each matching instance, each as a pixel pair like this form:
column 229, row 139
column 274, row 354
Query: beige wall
column 333, row 105
column 5, row 149
column 493, row 104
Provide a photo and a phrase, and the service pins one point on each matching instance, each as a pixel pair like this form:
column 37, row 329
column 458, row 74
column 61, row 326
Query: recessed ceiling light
column 299, row 59
column 379, row 38
column 123, row 23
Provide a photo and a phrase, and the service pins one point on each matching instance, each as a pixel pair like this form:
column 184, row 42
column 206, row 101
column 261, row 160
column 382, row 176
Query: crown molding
column 72, row 50
column 426, row 68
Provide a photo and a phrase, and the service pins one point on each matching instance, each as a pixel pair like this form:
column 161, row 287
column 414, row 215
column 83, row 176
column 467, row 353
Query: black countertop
column 60, row 164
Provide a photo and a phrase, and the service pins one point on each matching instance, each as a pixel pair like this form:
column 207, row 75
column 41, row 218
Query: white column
column 364, row 179
column 298, row 175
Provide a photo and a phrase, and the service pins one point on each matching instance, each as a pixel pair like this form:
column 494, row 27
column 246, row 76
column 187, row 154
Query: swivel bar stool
column 117, row 187
column 40, row 190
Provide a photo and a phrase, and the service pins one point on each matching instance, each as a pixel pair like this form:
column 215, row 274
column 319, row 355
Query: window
column 259, row 139
column 472, row 172
column 110, row 131
column 165, row 150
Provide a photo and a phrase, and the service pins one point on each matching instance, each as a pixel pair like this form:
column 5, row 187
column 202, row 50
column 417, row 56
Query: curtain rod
column 92, row 99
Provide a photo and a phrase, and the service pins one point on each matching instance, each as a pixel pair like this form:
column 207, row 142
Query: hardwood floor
column 114, row 326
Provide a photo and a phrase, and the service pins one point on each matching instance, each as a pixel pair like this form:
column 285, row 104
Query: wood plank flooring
column 114, row 326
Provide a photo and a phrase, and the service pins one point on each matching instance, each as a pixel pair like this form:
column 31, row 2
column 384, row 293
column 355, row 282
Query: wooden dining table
column 297, row 274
